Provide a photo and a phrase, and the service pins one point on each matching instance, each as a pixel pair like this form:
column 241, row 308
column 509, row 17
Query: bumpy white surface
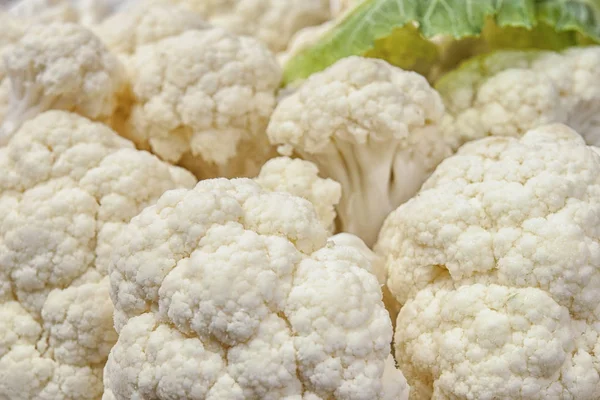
column 273, row 22
column 203, row 98
column 509, row 92
column 301, row 178
column 497, row 262
column 67, row 187
column 227, row 291
column 371, row 127
column 60, row 66
column 144, row 24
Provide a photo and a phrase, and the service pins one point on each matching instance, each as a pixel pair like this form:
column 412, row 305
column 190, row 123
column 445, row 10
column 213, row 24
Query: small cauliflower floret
column 371, row 127
column 497, row 263
column 301, row 178
column 203, row 99
column 378, row 267
column 273, row 22
column 60, row 66
column 506, row 93
column 227, row 291
column 44, row 11
column 143, row 24
column 68, row 186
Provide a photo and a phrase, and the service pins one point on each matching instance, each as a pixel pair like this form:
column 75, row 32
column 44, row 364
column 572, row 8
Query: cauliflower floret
column 203, row 99
column 273, row 22
column 377, row 265
column 371, row 127
column 506, row 93
column 301, row 178
column 143, row 24
column 497, row 263
column 12, row 30
column 44, row 11
column 229, row 291
column 60, row 66
column 67, row 188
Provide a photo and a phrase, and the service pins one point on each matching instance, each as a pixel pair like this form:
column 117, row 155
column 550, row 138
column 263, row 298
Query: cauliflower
column 301, row 178
column 143, row 24
column 509, row 92
column 371, row 127
column 227, row 291
column 67, row 188
column 12, row 30
column 60, row 66
column 497, row 263
column 378, row 266
column 44, row 11
column 273, row 22
column 203, row 99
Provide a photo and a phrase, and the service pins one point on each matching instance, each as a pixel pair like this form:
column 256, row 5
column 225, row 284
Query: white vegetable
column 509, row 92
column 301, row 178
column 60, row 66
column 497, row 263
column 229, row 291
column 371, row 127
column 68, row 186
column 203, row 99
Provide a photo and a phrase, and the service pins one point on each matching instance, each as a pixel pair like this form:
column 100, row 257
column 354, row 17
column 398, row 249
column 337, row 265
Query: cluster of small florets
column 177, row 224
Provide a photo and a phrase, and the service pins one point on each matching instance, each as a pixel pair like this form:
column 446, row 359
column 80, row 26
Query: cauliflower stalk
column 496, row 262
column 229, row 291
column 68, row 187
column 371, row 127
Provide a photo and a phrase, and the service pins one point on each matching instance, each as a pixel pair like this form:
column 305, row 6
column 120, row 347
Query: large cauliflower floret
column 273, row 22
column 514, row 224
column 143, row 24
column 230, row 291
column 509, row 92
column 301, row 178
column 67, row 187
column 60, row 66
column 203, row 99
column 371, row 127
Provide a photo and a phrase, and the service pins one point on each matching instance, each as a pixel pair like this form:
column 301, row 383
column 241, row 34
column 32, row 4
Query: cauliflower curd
column 299, row 200
column 226, row 291
column 497, row 264
column 68, row 185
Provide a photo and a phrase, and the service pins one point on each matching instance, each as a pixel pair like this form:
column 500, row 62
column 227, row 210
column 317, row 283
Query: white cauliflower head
column 68, row 186
column 371, row 127
column 203, row 99
column 301, row 178
column 506, row 93
column 60, row 66
column 125, row 31
column 273, row 22
column 230, row 291
column 497, row 263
